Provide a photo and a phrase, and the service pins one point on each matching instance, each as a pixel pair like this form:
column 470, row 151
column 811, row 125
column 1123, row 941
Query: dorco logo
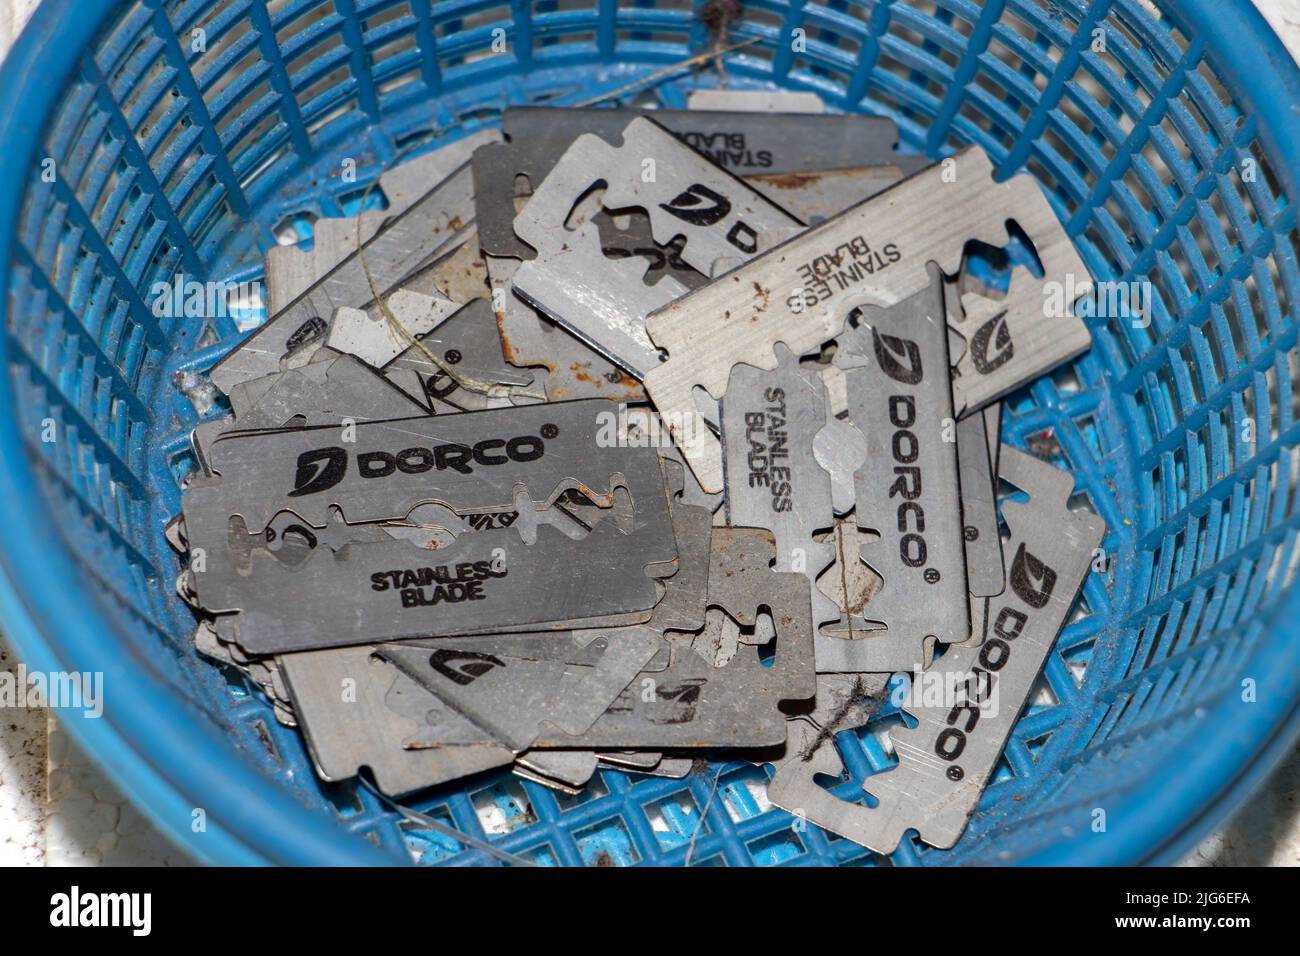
column 899, row 358
column 701, row 206
column 322, row 468
column 463, row 667
column 991, row 346
column 1031, row 579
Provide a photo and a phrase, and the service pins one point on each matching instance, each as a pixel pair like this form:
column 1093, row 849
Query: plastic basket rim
column 261, row 823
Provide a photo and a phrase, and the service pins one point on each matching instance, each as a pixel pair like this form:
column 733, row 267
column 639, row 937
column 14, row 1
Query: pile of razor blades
column 624, row 439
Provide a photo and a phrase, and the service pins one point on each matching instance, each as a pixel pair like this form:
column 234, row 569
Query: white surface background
column 56, row 808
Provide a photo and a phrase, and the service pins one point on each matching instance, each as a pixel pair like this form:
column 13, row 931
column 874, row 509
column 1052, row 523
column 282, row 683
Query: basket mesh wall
column 200, row 133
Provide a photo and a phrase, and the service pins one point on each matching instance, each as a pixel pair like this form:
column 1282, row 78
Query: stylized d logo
column 1031, row 579
column 318, row 470
column 993, row 333
column 898, row 358
column 463, row 667
column 687, row 208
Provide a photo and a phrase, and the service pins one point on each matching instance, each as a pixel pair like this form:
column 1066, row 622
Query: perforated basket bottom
column 174, row 161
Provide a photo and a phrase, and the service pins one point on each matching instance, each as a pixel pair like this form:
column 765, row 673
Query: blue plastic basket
column 1169, row 155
